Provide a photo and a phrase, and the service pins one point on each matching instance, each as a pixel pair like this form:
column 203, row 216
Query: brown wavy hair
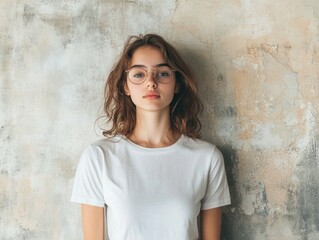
column 119, row 110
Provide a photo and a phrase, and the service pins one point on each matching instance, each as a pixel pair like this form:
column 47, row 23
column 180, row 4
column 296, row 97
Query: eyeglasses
column 161, row 74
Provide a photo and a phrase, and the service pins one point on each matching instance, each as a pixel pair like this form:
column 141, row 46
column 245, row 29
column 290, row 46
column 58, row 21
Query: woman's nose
column 150, row 81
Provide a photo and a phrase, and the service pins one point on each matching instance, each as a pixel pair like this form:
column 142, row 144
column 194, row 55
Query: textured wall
column 257, row 63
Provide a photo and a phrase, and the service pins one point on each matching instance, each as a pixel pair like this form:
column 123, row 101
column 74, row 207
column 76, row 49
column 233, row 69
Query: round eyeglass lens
column 162, row 74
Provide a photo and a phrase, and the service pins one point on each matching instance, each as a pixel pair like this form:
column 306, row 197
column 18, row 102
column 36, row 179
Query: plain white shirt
column 151, row 193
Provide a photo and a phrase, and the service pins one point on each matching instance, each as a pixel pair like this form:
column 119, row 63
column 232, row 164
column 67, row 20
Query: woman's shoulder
column 196, row 144
column 107, row 142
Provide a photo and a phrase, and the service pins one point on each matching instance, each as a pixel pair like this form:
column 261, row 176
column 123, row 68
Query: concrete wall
column 257, row 63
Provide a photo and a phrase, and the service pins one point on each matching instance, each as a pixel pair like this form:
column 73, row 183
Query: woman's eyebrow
column 161, row 65
column 157, row 65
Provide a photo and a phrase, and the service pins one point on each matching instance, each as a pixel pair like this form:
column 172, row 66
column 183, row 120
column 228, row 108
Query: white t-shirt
column 151, row 193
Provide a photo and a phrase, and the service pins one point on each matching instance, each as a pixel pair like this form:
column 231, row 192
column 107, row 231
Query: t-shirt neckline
column 142, row 148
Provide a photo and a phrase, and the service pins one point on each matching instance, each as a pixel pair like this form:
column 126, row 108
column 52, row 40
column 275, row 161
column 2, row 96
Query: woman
column 151, row 172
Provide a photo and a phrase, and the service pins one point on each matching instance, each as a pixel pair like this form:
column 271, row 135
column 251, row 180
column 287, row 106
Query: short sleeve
column 217, row 191
column 88, row 182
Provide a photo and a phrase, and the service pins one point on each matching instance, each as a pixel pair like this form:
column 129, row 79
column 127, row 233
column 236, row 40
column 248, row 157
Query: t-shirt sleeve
column 217, row 192
column 88, row 182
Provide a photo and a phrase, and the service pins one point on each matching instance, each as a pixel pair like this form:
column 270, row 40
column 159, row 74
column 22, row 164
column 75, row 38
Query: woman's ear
column 126, row 90
column 177, row 86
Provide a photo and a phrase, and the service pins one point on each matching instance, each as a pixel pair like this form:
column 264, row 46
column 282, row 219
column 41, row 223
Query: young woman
column 151, row 173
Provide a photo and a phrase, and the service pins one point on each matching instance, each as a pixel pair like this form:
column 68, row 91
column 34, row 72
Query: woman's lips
column 151, row 96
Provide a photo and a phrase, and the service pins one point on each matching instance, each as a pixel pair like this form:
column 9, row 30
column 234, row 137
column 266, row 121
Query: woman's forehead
column 148, row 56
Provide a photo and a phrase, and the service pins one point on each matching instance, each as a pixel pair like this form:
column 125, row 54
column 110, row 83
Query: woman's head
column 119, row 109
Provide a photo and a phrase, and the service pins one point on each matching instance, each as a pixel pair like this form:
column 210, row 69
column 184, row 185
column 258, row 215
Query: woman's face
column 150, row 95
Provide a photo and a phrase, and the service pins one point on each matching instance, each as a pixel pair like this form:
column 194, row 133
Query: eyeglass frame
column 147, row 71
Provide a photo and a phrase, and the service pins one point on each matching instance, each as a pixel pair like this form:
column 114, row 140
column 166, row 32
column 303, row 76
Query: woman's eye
column 138, row 75
column 163, row 74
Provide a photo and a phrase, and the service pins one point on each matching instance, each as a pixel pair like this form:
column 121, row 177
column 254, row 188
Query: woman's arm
column 92, row 222
column 211, row 223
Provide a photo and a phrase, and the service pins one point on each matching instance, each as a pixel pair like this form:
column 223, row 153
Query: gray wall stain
column 307, row 212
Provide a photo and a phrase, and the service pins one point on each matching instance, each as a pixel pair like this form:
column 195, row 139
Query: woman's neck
column 153, row 129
